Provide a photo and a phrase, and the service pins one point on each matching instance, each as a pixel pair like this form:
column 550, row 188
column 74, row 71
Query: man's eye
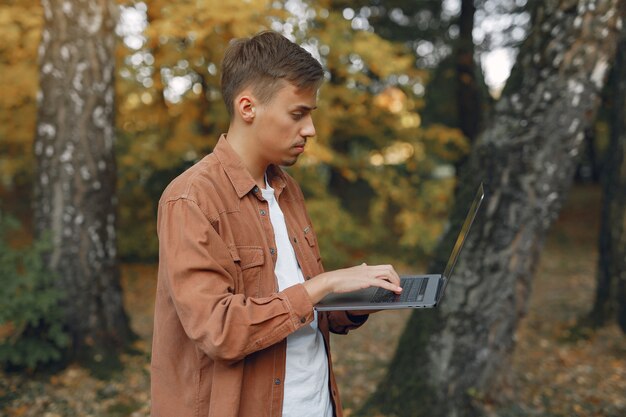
column 297, row 116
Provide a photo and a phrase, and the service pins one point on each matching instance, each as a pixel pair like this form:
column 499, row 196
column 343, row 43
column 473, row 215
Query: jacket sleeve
column 200, row 277
column 341, row 322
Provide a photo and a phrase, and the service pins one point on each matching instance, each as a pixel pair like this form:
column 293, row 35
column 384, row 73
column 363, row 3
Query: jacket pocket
column 250, row 260
column 314, row 250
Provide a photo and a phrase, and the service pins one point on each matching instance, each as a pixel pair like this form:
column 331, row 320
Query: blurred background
column 103, row 103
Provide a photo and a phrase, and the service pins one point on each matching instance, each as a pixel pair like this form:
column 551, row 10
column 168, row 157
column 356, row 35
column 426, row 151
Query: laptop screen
column 463, row 234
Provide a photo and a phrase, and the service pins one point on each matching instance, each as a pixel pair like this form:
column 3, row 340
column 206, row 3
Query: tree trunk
column 469, row 103
column 76, row 172
column 611, row 275
column 453, row 356
column 589, row 170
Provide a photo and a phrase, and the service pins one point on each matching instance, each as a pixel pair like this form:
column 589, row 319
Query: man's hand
column 353, row 279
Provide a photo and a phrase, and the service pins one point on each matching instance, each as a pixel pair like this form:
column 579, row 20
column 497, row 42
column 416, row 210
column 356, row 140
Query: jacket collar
column 239, row 175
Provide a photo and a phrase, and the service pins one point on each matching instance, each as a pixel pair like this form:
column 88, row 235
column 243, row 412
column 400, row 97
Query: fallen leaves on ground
column 75, row 393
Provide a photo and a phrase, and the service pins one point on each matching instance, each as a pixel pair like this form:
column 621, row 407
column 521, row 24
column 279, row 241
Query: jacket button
column 303, row 320
column 263, row 213
column 272, row 251
column 277, row 381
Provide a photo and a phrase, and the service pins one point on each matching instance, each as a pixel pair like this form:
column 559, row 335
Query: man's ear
column 245, row 107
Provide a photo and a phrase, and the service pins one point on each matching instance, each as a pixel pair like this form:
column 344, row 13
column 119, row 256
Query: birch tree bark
column 76, row 173
column 451, row 357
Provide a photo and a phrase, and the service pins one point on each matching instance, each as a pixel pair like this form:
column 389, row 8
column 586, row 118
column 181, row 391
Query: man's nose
column 308, row 130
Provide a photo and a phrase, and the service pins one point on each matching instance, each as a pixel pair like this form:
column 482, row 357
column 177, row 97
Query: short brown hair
column 262, row 62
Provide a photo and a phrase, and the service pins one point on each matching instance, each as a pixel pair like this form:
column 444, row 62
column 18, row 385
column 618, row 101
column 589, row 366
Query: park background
column 414, row 112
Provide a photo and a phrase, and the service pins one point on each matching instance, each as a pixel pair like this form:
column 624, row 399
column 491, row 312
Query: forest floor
column 556, row 370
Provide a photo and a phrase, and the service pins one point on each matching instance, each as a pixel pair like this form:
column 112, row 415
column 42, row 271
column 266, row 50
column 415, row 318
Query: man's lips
column 299, row 147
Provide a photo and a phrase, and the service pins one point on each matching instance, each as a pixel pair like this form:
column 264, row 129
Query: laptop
column 418, row 291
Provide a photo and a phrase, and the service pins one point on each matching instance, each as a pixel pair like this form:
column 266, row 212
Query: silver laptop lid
column 469, row 219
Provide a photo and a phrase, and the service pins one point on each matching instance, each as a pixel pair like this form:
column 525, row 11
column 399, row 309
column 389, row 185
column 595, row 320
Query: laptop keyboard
column 413, row 289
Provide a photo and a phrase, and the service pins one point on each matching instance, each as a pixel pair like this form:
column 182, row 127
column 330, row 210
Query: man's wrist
column 318, row 287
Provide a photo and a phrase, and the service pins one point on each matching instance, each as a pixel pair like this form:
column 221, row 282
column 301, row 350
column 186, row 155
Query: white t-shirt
column 306, row 371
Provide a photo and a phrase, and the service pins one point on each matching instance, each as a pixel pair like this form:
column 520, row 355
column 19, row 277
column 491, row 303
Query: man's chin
column 289, row 162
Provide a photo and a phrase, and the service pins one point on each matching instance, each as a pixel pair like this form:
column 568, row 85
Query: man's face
column 283, row 125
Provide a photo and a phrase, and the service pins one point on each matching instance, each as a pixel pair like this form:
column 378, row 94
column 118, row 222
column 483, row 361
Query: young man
column 235, row 332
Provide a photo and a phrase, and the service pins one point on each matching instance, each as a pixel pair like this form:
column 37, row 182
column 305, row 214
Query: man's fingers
column 387, row 272
column 385, row 276
column 384, row 283
column 388, row 282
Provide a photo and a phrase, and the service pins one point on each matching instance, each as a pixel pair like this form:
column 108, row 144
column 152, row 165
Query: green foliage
column 31, row 319
column 340, row 237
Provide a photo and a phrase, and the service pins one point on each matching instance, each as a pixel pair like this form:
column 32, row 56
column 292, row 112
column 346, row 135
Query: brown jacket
column 220, row 324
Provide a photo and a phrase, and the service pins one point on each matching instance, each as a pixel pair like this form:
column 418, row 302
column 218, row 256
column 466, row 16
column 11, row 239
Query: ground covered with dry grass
column 557, row 369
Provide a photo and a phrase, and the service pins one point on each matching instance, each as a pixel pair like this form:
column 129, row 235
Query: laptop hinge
column 440, row 286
